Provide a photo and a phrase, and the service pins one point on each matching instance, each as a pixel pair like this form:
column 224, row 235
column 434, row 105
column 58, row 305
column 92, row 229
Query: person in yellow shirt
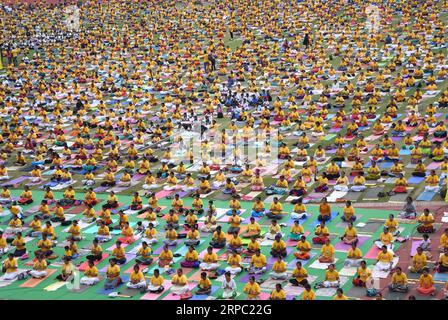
column 218, row 239
column 321, row 233
column 331, row 278
column 91, row 275
column 137, row 279
column 442, row 264
column 426, row 283
column 179, row 283
column 296, row 231
column 363, row 275
column 350, row 235
column 144, row 254
column 204, row 285
column 278, row 248
column 386, row 239
column 75, row 231
column 258, row 263
column 327, row 253
column 252, row 289
column 113, row 278
column 45, row 247
column 340, row 295
column 384, row 260
column 9, row 267
column 426, row 222
column 275, row 210
column 156, row 282
column 299, row 211
column 354, row 256
column 4, row 248
column 444, row 241
column 349, row 213
column 419, row 261
column 399, row 281
column 278, row 293
column 26, row 197
column 279, row 270
column 308, row 294
column 210, row 260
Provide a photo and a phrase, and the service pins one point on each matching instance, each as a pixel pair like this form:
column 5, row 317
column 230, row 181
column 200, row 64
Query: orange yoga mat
column 31, row 283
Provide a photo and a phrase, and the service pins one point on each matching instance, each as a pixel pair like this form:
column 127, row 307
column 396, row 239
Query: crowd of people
column 96, row 111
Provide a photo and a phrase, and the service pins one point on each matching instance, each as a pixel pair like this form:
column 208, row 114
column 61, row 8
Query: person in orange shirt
column 324, row 211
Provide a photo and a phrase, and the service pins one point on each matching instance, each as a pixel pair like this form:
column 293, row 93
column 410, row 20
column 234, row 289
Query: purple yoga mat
column 433, row 165
column 245, row 278
column 340, row 246
column 100, row 189
column 415, row 245
column 15, row 181
column 158, row 250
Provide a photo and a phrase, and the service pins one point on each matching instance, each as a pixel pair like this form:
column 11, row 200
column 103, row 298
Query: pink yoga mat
column 340, row 246
column 163, row 194
column 154, row 296
column 372, row 253
column 415, row 245
column 172, row 296
column 85, row 264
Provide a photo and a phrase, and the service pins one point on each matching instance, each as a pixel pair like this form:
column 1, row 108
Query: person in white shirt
column 228, row 286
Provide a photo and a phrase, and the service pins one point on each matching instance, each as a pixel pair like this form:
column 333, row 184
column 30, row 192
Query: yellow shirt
column 113, row 272
column 308, row 295
column 180, row 281
column 137, row 277
column 399, row 278
column 259, row 261
column 385, row 257
column 156, row 281
column 278, row 295
column 364, row 274
column 252, row 290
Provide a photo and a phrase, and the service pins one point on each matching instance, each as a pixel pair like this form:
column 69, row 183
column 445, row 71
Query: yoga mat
column 415, row 244
column 292, row 264
column 124, row 278
column 440, row 277
column 371, row 226
column 323, row 266
column 245, row 278
column 372, row 253
column 250, row 196
column 398, row 197
column 15, row 181
column 433, row 166
column 31, row 283
column 340, row 246
column 371, row 193
column 415, row 180
column 55, row 286
column 352, row 196
column 172, row 296
column 426, row 196
column 154, row 296
column 163, row 193
column 83, row 267
column 333, row 215
column 348, row 271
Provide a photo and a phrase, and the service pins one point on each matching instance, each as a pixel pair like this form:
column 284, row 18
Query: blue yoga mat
column 441, row 276
column 415, row 180
column 317, row 222
column 426, row 196
column 124, row 278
